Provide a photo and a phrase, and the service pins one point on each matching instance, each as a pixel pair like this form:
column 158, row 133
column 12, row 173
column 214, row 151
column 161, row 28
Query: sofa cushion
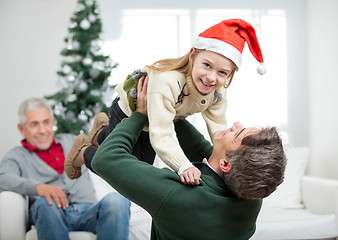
column 288, row 194
column 78, row 235
column 278, row 224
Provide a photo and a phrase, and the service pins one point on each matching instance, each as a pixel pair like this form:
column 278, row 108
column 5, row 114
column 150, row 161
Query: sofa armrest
column 13, row 216
column 320, row 195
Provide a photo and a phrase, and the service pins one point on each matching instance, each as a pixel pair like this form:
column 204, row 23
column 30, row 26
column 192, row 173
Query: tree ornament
column 95, row 51
column 70, row 78
column 73, row 25
column 76, row 58
column 59, row 110
column 87, row 61
column 89, row 2
column 76, row 45
column 82, row 116
column 97, row 108
column 69, row 46
column 66, row 69
column 80, row 7
column 94, row 47
column 91, row 18
column 95, row 44
column 95, row 92
column 85, row 24
column 89, row 113
column 98, row 65
column 71, row 98
column 70, row 115
column 82, row 87
column 94, row 73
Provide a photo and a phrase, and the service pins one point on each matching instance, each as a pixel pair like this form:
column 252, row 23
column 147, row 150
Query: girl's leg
column 100, row 131
column 83, row 143
column 143, row 149
column 101, row 136
column 79, row 144
column 88, row 156
column 101, row 121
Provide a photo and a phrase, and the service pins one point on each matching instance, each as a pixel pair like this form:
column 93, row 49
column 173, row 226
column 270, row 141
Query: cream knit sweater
column 171, row 95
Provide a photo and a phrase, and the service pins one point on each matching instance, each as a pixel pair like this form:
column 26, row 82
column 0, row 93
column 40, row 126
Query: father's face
column 231, row 139
column 38, row 129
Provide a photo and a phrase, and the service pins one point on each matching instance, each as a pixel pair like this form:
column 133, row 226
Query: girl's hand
column 191, row 176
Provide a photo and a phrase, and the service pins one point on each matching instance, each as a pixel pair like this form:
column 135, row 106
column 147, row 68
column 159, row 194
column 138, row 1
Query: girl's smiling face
column 210, row 70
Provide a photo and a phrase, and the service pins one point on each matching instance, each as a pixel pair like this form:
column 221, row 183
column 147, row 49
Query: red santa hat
column 228, row 38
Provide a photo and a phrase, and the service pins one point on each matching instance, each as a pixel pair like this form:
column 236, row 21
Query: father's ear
column 225, row 165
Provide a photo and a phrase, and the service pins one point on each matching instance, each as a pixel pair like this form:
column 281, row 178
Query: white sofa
column 14, row 217
column 303, row 207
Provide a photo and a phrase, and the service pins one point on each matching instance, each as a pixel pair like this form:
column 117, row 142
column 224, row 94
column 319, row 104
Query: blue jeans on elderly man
column 108, row 219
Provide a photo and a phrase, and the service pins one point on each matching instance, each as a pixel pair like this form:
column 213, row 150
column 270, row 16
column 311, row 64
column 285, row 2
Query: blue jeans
column 109, row 218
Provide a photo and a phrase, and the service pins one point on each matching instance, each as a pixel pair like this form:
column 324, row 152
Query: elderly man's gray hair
column 32, row 104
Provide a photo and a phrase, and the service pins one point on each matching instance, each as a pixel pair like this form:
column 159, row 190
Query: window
column 148, row 35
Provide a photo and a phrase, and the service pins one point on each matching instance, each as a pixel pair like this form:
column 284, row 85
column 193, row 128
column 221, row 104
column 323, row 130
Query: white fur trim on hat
column 261, row 69
column 220, row 47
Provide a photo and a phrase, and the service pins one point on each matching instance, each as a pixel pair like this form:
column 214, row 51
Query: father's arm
column 193, row 143
column 140, row 182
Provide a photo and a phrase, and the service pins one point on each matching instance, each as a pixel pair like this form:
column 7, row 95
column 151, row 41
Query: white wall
column 32, row 35
column 31, row 39
column 323, row 87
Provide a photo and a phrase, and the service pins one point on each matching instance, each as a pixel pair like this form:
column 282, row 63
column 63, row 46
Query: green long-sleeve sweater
column 179, row 211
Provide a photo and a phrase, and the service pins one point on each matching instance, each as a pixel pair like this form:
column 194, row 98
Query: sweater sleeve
column 11, row 178
column 162, row 133
column 140, row 182
column 163, row 91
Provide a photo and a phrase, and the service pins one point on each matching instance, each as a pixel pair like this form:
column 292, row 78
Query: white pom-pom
column 261, row 68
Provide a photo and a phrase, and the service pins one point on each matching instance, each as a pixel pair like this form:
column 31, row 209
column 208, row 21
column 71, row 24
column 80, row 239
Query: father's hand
column 141, row 101
column 55, row 192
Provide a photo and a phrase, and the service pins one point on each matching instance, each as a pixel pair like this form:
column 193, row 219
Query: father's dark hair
column 257, row 166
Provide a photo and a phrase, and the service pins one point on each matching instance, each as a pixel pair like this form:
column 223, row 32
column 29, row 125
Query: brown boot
column 101, row 120
column 80, row 142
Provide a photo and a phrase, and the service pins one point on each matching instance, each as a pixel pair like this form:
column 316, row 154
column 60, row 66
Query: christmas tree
column 84, row 73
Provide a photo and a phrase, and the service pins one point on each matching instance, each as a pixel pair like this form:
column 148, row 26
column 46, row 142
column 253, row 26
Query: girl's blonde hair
column 182, row 65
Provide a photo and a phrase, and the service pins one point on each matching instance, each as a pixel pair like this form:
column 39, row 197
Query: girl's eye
column 207, row 65
column 223, row 73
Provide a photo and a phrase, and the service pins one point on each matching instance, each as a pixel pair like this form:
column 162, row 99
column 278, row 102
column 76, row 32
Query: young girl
column 177, row 88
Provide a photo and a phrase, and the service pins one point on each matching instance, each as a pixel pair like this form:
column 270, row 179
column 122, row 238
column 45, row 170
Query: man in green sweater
column 244, row 165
